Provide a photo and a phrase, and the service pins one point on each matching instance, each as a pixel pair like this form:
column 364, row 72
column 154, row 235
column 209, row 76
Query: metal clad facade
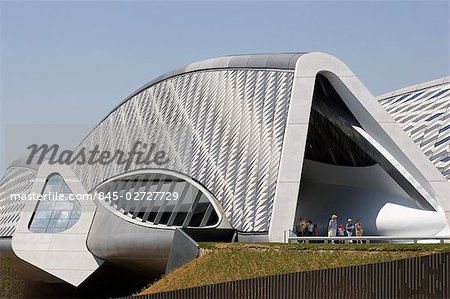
column 223, row 128
column 424, row 115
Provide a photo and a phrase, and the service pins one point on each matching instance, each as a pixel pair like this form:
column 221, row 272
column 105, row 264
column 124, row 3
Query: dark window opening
column 160, row 199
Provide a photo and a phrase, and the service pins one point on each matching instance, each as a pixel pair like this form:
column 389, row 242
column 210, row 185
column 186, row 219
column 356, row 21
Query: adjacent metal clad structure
column 423, row 111
column 418, row 277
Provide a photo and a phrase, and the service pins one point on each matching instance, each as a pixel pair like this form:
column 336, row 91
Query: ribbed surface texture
column 223, row 128
column 424, row 114
column 17, row 180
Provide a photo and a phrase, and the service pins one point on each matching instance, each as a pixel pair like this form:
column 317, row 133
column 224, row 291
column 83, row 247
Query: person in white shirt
column 332, row 227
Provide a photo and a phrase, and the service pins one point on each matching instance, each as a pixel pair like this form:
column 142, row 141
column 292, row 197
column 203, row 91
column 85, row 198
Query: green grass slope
column 222, row 262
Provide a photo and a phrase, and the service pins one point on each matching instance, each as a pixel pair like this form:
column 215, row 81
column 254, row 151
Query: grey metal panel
column 148, row 247
column 259, row 61
column 183, row 250
column 279, row 62
column 221, row 62
column 239, row 61
column 224, row 128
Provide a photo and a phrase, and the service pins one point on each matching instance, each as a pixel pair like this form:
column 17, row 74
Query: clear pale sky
column 72, row 62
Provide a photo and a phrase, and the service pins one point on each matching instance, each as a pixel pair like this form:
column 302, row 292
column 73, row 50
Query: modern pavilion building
column 251, row 143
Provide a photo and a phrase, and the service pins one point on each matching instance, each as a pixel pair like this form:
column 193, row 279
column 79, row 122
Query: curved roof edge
column 274, row 61
column 22, row 162
column 415, row 87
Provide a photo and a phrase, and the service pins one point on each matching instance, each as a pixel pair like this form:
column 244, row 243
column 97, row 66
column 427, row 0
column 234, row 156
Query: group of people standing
column 349, row 229
column 306, row 227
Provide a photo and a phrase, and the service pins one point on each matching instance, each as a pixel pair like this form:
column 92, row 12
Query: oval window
column 159, row 198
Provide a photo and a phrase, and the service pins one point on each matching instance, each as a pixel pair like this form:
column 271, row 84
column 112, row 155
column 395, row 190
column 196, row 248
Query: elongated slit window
column 159, row 199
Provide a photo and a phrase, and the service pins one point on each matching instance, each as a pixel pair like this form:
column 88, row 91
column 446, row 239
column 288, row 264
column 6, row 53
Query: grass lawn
column 221, row 262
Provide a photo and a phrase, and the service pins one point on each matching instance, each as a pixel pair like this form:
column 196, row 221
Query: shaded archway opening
column 344, row 174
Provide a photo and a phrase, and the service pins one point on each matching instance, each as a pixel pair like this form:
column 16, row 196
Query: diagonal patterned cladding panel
column 17, row 180
column 224, row 128
column 424, row 114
